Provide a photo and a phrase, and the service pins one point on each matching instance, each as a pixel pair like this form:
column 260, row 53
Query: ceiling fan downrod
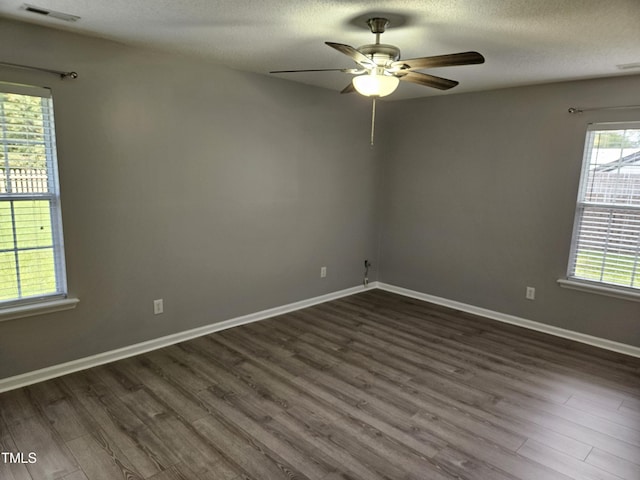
column 381, row 54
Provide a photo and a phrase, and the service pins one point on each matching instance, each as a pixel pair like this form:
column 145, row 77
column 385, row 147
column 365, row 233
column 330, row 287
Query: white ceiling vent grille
column 628, row 66
column 50, row 13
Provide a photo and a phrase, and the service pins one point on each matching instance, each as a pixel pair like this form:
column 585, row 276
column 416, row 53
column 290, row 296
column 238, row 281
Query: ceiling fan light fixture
column 374, row 85
column 380, row 69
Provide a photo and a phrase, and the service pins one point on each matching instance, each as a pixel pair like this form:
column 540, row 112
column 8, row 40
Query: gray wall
column 221, row 192
column 224, row 193
column 479, row 200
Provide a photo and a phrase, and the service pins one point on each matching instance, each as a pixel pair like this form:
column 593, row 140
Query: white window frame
column 590, row 285
column 55, row 301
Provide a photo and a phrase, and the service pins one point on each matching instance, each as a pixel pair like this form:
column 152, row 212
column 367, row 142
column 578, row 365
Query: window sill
column 52, row 306
column 610, row 291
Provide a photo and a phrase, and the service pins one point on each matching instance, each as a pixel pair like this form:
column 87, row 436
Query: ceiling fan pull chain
column 373, row 119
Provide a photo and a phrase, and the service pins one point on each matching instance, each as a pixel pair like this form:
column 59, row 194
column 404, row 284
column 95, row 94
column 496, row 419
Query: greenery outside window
column 605, row 248
column 32, row 266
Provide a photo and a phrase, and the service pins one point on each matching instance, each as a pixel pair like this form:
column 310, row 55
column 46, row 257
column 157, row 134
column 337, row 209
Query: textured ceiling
column 524, row 42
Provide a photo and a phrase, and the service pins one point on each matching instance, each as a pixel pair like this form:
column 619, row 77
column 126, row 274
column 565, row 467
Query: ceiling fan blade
column 451, row 60
column 354, row 54
column 427, row 80
column 348, row 89
column 343, row 70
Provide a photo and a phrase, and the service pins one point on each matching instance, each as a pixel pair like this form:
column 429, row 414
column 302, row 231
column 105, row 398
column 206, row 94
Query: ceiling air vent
column 50, row 13
column 628, row 66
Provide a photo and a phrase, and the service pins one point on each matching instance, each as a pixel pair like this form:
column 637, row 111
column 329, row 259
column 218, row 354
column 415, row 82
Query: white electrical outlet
column 531, row 293
column 323, row 272
column 158, row 306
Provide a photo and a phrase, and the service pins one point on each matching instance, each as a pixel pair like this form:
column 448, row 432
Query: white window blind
column 606, row 238
column 31, row 246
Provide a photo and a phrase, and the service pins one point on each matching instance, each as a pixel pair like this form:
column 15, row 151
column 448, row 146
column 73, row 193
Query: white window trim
column 57, row 301
column 575, row 283
column 41, row 308
column 600, row 288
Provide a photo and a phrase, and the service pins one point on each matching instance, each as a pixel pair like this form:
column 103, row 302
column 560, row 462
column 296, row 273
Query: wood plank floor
column 369, row 387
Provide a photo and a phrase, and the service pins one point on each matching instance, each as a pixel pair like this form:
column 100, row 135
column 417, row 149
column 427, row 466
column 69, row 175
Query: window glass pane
column 6, row 226
column 614, row 167
column 33, row 223
column 608, row 246
column 23, row 132
column 37, row 272
column 8, row 276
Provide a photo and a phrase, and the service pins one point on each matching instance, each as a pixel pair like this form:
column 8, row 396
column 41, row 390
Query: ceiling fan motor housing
column 381, row 54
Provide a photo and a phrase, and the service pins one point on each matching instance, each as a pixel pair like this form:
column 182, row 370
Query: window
column 31, row 246
column 606, row 239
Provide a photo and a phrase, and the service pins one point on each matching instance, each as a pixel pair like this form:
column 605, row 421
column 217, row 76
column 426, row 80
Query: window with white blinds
column 606, row 237
column 31, row 246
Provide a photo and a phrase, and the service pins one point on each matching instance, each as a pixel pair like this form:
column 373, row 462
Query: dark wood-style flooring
column 369, row 387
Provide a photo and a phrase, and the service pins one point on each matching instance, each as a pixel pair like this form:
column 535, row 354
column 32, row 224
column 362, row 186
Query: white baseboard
column 29, row 378
column 513, row 320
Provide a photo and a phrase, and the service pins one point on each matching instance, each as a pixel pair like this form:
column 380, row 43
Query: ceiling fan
column 380, row 68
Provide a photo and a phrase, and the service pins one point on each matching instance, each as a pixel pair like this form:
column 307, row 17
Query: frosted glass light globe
column 375, row 85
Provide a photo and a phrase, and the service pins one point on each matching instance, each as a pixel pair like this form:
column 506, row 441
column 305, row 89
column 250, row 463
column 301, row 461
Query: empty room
column 320, row 240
